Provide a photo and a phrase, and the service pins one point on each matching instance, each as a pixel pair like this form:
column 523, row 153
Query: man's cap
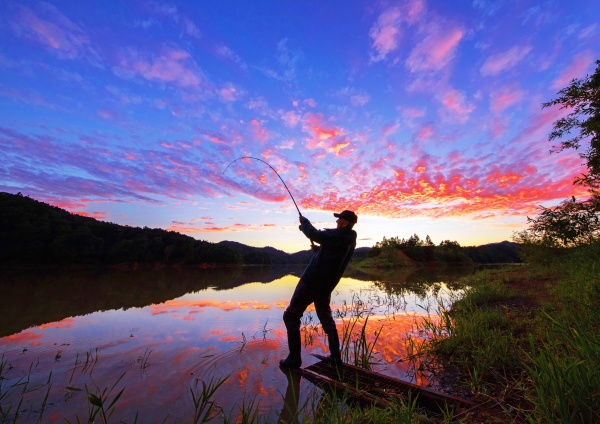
column 348, row 216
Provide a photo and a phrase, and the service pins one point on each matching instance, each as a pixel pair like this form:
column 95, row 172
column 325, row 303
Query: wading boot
column 335, row 357
column 294, row 359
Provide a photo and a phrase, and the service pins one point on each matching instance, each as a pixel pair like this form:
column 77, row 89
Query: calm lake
column 158, row 334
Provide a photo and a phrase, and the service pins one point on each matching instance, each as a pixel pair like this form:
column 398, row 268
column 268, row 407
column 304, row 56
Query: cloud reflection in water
column 165, row 348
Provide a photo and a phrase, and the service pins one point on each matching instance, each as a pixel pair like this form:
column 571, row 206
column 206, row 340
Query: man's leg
column 300, row 300
column 328, row 323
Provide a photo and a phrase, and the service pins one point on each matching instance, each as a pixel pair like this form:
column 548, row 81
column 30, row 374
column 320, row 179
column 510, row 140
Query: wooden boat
column 372, row 388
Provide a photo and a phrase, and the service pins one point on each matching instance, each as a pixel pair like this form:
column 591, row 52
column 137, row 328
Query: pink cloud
column 290, row 118
column 172, row 65
column 576, row 69
column 229, row 94
column 209, row 227
column 413, row 10
column 27, row 97
column 424, row 133
column 226, row 52
column 455, row 103
column 357, row 97
column 412, row 112
column 259, row 132
column 48, row 26
column 358, row 100
column 500, row 62
column 385, row 33
column 504, row 98
column 109, row 114
column 497, row 128
column 389, row 129
column 435, row 51
column 108, row 173
column 310, row 102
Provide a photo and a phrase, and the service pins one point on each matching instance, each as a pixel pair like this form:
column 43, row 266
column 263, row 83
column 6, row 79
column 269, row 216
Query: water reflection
column 169, row 330
column 34, row 298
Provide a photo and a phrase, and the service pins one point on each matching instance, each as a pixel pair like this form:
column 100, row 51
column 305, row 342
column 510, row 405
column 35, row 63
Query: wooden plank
column 343, row 390
column 389, row 387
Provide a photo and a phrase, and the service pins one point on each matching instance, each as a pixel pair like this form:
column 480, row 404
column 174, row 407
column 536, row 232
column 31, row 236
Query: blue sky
column 424, row 117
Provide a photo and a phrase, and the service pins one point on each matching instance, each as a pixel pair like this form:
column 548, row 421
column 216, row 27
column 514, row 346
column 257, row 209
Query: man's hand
column 302, row 219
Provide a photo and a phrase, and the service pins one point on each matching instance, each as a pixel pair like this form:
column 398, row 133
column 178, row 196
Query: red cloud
column 96, row 215
column 193, row 306
column 321, row 137
column 65, row 323
column 323, row 134
column 429, row 190
column 22, row 338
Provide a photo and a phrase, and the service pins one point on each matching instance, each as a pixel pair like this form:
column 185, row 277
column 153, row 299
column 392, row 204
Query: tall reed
column 355, row 348
column 564, row 367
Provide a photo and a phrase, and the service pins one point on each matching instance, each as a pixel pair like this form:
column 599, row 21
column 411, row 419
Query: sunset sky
column 424, row 117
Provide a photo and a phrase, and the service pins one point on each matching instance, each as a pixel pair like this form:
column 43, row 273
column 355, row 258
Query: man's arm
column 307, row 228
column 318, row 236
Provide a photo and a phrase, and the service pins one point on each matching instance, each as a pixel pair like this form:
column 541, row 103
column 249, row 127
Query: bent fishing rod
column 284, row 184
column 276, row 173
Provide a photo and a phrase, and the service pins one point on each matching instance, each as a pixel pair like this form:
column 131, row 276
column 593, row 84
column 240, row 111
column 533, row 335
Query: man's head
column 346, row 219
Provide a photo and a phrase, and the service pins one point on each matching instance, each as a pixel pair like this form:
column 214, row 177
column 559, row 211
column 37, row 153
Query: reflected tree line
column 29, row 297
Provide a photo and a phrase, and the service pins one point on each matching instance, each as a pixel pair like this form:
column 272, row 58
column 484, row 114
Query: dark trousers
column 303, row 296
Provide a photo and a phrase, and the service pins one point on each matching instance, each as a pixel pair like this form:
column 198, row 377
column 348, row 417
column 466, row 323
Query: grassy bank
column 526, row 342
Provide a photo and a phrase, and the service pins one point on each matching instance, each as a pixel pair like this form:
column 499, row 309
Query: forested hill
column 35, row 233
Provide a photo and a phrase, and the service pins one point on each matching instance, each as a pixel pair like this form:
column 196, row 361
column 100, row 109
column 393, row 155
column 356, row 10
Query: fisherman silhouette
column 317, row 282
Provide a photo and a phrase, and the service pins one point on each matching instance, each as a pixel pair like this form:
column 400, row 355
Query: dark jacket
column 327, row 266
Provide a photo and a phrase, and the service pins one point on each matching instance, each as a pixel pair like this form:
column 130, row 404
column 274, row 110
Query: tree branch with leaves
column 582, row 98
column 573, row 222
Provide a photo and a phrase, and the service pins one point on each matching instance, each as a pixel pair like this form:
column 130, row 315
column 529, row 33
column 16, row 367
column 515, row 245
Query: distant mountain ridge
column 35, row 233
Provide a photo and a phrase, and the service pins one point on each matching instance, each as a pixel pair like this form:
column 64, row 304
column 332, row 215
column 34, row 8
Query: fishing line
column 284, row 184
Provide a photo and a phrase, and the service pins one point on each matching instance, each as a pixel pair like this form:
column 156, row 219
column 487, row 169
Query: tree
column 582, row 98
column 574, row 222
column 428, row 241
